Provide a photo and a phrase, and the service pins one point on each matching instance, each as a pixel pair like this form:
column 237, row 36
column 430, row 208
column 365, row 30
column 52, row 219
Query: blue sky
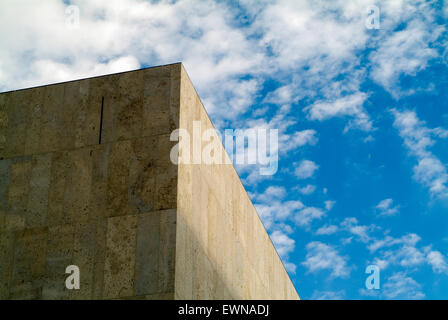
column 362, row 116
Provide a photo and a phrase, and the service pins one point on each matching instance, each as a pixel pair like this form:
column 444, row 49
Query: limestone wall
column 223, row 250
column 66, row 199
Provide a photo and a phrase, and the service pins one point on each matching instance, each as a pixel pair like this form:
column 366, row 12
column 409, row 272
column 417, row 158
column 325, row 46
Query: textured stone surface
column 137, row 226
column 222, row 250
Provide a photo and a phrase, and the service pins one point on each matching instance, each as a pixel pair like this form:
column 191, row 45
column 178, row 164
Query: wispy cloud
column 404, row 252
column 408, row 239
column 321, row 256
column 305, row 46
column 277, row 211
column 305, row 169
column 328, row 295
column 329, row 204
column 406, row 51
column 386, row 208
column 418, row 139
column 401, row 286
column 437, row 261
column 283, row 243
column 305, row 216
column 307, row 190
column 350, row 106
column 360, row 231
column 327, row 229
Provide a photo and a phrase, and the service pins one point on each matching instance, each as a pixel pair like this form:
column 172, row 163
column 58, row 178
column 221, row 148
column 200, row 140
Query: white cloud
column 350, row 105
column 305, row 216
column 321, row 256
column 329, row 204
column 276, row 211
column 273, row 211
column 405, row 52
column 282, row 122
column 327, row 229
column 301, row 138
column 250, row 174
column 381, row 263
column 305, row 46
column 401, row 286
column 54, row 72
column 282, row 95
column 41, row 48
column 307, row 190
column 271, row 193
column 352, row 226
column 289, row 142
column 328, row 295
column 283, row 243
column 429, row 170
column 290, row 267
column 408, row 256
column 437, row 261
column 272, row 207
column 404, row 252
column 369, row 293
column 286, row 142
column 385, row 208
column 306, row 169
column 410, row 239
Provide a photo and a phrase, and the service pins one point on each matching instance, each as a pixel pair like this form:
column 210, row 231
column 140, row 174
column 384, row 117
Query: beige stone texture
column 136, row 225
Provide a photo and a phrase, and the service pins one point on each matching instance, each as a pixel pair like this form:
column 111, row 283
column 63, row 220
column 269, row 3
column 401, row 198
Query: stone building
column 86, row 180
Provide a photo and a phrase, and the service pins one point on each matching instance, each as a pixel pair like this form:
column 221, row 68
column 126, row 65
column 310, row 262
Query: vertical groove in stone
column 101, row 120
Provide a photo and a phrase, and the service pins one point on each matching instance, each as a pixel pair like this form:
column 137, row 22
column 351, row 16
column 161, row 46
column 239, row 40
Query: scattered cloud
column 271, row 193
column 418, row 138
column 369, row 292
column 305, row 46
column 401, row 286
column 350, row 105
column 307, row 190
column 327, row 230
column 276, row 211
column 406, row 52
column 410, row 239
column 329, row 204
column 305, row 216
column 404, row 252
column 321, row 256
column 362, row 232
column 283, row 243
column 288, row 142
column 408, row 256
column 305, row 169
column 290, row 267
column 328, row 295
column 291, row 142
column 385, row 208
column 301, row 138
column 381, row 263
column 437, row 261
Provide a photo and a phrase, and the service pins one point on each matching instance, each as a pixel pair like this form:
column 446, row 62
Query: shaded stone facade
column 86, row 180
